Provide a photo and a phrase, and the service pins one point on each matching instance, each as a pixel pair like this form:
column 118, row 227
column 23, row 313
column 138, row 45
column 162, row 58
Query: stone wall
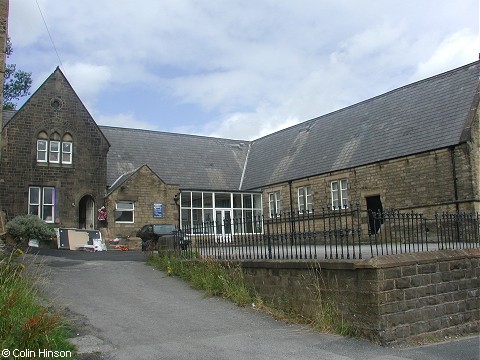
column 390, row 300
column 53, row 108
column 145, row 189
column 474, row 150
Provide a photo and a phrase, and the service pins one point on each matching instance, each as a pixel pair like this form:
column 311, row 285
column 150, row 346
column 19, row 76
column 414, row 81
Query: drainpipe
column 176, row 199
column 454, row 175
column 293, row 235
column 455, row 189
column 291, row 197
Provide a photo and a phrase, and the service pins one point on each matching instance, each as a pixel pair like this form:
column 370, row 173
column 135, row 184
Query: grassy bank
column 24, row 323
column 227, row 281
column 207, row 275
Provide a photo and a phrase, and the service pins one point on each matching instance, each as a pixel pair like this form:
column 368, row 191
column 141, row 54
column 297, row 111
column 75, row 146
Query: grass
column 24, row 323
column 327, row 314
column 227, row 281
column 207, row 275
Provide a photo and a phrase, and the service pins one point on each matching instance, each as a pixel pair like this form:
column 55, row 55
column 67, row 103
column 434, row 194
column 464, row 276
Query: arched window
column 54, row 148
column 67, row 149
column 42, row 147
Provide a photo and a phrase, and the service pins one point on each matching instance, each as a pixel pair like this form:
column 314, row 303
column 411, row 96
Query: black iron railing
column 331, row 234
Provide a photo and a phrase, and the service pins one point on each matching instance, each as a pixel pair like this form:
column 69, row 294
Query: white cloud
column 23, row 12
column 462, row 46
column 88, row 80
column 252, row 66
column 248, row 126
column 124, row 121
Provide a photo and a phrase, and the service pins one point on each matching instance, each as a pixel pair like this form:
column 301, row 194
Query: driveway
column 124, row 309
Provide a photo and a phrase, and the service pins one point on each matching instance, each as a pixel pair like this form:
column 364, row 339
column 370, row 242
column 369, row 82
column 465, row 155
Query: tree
column 16, row 82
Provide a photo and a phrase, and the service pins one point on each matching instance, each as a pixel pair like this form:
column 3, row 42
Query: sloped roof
column 193, row 162
column 430, row 114
column 426, row 115
column 121, row 180
column 126, row 176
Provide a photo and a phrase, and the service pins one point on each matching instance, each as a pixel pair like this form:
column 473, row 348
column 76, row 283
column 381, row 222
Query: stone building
column 416, row 147
column 53, row 160
column 140, row 197
column 413, row 148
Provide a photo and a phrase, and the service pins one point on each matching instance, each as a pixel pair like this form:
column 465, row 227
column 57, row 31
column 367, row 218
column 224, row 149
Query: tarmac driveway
column 124, row 309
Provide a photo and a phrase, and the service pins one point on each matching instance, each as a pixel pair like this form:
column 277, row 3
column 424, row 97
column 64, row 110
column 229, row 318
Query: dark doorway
column 375, row 209
column 86, row 213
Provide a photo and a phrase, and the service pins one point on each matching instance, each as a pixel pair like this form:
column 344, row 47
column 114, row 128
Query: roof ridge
column 415, row 83
column 173, row 133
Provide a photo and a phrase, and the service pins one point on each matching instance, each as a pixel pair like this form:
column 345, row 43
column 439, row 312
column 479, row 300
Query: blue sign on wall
column 157, row 210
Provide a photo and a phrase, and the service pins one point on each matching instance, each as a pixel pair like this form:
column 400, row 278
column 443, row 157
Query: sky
column 237, row 69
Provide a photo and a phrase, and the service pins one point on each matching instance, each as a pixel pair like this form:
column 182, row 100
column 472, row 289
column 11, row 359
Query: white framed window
column 41, row 202
column 54, row 152
column 200, row 211
column 66, row 152
column 274, row 203
column 42, row 150
column 305, row 199
column 48, row 204
column 124, row 212
column 339, row 191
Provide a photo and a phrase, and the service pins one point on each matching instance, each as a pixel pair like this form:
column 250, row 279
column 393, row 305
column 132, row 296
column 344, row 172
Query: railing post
column 359, row 232
column 324, row 232
column 269, row 242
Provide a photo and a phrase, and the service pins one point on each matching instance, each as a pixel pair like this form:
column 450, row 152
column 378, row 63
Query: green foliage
column 23, row 323
column 16, row 84
column 26, row 227
column 328, row 318
column 207, row 275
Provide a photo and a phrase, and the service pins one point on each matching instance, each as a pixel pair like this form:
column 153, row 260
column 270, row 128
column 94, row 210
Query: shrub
column 26, row 227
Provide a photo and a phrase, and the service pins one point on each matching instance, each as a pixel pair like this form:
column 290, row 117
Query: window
column 200, row 211
column 305, row 199
column 274, row 203
column 124, row 212
column 223, row 200
column 42, row 147
column 42, row 150
column 339, row 194
column 66, row 152
column 67, row 146
column 54, row 151
column 41, row 202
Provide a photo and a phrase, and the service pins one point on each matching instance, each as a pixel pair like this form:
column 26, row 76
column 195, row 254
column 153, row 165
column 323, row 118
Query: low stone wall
column 390, row 299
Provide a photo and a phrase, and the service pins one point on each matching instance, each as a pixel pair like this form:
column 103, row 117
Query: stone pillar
column 3, row 41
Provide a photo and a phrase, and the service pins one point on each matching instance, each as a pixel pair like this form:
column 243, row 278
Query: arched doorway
column 86, row 213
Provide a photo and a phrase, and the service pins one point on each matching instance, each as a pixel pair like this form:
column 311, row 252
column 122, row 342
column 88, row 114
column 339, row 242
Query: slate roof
column 192, row 162
column 423, row 116
column 430, row 114
column 121, row 180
